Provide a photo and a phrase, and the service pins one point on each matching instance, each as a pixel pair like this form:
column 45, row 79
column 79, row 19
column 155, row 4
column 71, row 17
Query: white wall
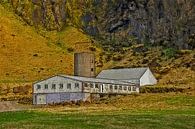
column 83, row 87
column 148, row 78
column 57, row 80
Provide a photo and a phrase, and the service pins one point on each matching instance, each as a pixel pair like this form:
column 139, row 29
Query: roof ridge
column 127, row 68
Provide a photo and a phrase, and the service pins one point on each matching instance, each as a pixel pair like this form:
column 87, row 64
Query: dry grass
column 27, row 56
column 166, row 101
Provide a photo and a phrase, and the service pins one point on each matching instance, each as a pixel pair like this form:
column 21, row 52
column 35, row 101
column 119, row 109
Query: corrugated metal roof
column 97, row 80
column 122, row 74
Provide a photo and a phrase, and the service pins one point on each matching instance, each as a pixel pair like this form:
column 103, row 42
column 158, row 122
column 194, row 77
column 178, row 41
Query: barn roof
column 96, row 80
column 122, row 74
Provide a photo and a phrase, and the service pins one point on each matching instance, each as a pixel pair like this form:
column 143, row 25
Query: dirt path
column 11, row 106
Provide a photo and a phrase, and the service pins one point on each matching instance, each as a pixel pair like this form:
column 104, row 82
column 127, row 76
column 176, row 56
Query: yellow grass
column 26, row 56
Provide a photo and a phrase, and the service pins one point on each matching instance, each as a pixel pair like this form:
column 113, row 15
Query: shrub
column 70, row 49
column 35, row 55
column 169, row 52
column 92, row 49
column 25, row 100
column 117, row 58
column 148, row 89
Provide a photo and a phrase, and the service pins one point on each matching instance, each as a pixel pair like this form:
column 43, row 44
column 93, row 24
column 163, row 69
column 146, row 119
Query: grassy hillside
column 27, row 55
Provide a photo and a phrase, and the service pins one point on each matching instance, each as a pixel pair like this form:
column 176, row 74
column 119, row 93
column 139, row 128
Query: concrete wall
column 84, row 64
column 148, row 78
column 59, row 97
column 57, row 80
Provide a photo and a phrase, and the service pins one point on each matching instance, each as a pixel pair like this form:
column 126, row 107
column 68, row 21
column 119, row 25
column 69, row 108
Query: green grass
column 154, row 119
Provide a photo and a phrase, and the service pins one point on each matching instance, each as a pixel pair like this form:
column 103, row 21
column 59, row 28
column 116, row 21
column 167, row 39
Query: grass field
column 156, row 119
column 143, row 111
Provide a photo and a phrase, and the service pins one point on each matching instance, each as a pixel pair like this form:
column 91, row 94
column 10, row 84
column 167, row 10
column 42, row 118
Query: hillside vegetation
column 115, row 22
column 27, row 55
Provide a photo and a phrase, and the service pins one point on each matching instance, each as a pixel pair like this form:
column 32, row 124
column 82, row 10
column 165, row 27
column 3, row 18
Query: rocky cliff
column 169, row 23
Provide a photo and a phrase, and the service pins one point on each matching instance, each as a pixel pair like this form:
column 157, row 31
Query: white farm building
column 83, row 85
column 61, row 88
column 141, row 76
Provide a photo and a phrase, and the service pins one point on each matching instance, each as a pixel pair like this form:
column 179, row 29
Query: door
column 41, row 99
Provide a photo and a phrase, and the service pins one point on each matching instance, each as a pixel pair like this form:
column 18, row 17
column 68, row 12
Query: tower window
column 91, row 69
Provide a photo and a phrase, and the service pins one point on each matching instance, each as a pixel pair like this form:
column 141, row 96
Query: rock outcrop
column 169, row 23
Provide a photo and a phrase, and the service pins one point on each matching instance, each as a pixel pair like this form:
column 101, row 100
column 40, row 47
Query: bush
column 117, row 58
column 92, row 49
column 22, row 89
column 169, row 53
column 70, row 49
column 25, row 100
column 160, row 89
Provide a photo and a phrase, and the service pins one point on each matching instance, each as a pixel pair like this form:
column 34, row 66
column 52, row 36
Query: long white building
column 61, row 88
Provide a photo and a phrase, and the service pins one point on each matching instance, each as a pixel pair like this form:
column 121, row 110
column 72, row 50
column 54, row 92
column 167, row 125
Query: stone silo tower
column 84, row 64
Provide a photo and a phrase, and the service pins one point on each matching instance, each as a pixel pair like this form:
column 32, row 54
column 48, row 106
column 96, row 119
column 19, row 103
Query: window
column 125, row 88
column 69, row 86
column 134, row 88
column 111, row 87
column 96, row 86
column 61, row 86
column 85, row 84
column 115, row 87
column 53, row 86
column 46, row 86
column 91, row 85
column 91, row 69
column 38, row 87
column 76, row 85
column 129, row 88
column 120, row 87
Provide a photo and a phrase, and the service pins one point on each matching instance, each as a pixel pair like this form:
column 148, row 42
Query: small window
column 53, row 86
column 96, row 86
column 134, row 88
column 91, row 69
column 125, row 88
column 111, row 87
column 76, row 85
column 69, row 86
column 115, row 87
column 129, row 88
column 120, row 87
column 91, row 85
column 38, row 87
column 46, row 86
column 85, row 84
column 61, row 86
